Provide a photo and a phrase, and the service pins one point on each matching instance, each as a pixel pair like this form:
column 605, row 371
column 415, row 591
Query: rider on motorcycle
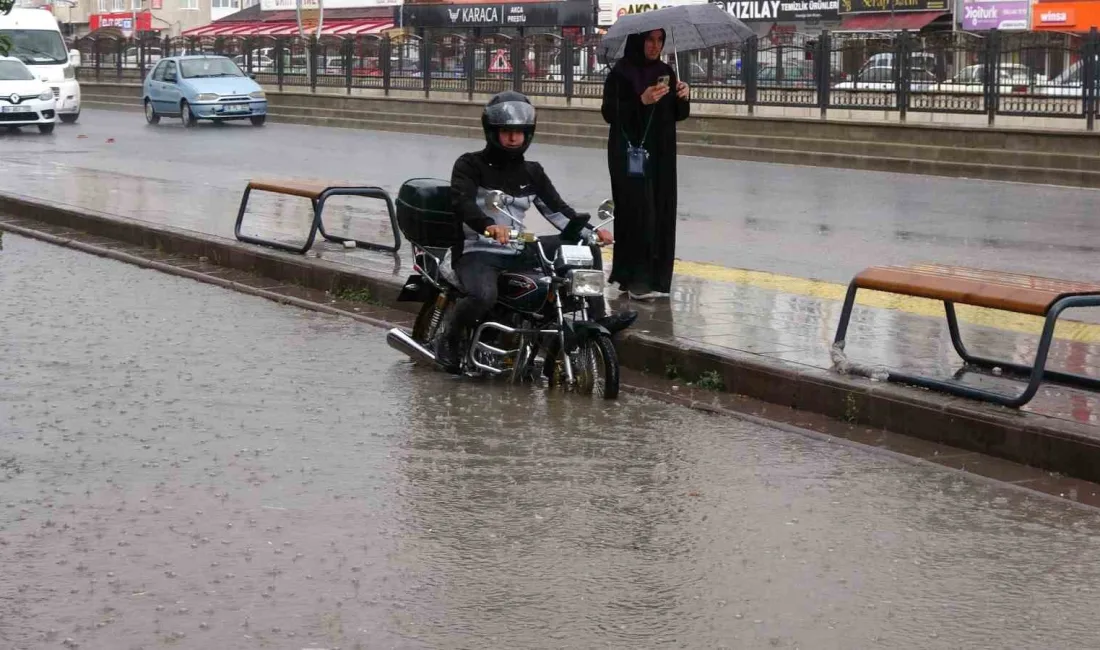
column 509, row 125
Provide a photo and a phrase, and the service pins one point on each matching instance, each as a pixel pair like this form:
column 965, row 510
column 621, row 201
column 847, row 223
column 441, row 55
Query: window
column 225, row 4
column 103, row 6
column 190, row 5
column 170, row 72
column 118, row 5
column 158, row 74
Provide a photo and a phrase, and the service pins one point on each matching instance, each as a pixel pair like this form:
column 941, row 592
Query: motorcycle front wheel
column 596, row 367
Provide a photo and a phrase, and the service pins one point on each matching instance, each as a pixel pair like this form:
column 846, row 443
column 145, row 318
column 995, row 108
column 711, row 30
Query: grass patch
column 710, row 380
column 362, row 295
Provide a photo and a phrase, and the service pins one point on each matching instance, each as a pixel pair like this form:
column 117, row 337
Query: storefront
column 887, row 17
column 787, row 22
column 1077, row 17
column 985, row 15
column 512, row 19
column 124, row 21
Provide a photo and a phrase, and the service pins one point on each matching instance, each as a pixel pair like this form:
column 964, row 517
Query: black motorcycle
column 540, row 321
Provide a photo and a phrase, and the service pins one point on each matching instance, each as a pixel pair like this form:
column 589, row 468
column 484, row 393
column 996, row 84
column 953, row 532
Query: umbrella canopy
column 688, row 27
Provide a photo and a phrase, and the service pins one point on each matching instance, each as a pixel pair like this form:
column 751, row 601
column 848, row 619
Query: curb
column 1055, row 445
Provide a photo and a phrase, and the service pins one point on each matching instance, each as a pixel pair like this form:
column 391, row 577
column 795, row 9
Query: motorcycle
column 540, row 321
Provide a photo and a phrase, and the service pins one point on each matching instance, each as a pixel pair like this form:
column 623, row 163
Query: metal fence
column 994, row 74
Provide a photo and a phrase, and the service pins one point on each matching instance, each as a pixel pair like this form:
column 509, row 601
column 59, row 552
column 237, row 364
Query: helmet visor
column 515, row 114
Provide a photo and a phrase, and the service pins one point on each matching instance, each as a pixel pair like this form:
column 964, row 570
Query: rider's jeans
column 478, row 273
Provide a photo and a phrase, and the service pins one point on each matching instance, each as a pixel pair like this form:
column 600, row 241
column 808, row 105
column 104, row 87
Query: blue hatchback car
column 202, row 88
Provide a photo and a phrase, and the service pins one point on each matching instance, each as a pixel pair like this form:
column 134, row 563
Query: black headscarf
column 641, row 71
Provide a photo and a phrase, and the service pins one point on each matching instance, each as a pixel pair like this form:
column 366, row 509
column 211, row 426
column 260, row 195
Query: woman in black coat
column 643, row 111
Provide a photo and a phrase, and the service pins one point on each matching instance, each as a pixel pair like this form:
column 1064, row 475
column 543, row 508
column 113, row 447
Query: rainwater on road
column 182, row 466
column 807, row 222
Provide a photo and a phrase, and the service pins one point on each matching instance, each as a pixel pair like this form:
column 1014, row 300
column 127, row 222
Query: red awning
column 913, row 21
column 289, row 28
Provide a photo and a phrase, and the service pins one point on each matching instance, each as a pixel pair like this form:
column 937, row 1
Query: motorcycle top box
column 424, row 213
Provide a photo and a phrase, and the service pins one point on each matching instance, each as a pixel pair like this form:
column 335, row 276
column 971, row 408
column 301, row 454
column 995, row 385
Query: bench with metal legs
column 317, row 193
column 1032, row 295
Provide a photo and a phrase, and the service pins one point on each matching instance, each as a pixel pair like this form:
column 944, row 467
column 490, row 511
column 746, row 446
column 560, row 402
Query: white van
column 36, row 41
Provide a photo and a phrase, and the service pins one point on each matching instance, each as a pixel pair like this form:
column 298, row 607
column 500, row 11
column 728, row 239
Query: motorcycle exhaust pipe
column 403, row 343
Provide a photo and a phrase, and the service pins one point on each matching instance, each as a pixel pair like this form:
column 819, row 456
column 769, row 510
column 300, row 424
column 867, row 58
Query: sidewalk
column 785, row 321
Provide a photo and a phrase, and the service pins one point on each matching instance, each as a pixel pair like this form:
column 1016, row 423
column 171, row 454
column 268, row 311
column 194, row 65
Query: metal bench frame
column 1035, row 373
column 318, row 225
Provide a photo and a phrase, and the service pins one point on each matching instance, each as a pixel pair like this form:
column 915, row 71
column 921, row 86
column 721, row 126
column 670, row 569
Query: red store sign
column 123, row 20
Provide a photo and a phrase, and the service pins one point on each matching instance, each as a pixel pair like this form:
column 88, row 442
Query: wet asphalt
column 182, row 466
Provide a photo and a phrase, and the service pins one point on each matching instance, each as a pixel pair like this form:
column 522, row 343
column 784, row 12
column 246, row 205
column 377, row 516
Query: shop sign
column 782, row 10
column 980, row 15
column 887, row 6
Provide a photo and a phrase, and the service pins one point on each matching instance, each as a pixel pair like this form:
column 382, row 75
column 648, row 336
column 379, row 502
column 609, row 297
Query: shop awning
column 289, row 28
column 913, row 21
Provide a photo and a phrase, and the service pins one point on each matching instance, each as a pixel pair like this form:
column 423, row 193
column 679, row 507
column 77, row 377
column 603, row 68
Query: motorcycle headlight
column 259, row 94
column 586, row 283
column 206, row 97
column 46, row 95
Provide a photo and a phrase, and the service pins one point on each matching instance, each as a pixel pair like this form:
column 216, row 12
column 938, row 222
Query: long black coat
column 645, row 208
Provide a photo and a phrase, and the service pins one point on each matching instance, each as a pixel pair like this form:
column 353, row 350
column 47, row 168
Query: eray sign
column 782, row 10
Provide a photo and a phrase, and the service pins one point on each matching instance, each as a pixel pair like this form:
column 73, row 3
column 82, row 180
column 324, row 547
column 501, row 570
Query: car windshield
column 14, row 71
column 36, row 46
column 198, row 68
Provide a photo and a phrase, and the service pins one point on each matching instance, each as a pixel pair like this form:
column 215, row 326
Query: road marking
column 1023, row 323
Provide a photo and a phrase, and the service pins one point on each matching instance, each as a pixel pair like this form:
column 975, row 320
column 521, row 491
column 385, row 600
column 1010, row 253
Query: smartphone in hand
column 663, row 80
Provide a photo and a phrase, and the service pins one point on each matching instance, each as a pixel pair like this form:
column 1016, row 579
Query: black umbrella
column 689, row 27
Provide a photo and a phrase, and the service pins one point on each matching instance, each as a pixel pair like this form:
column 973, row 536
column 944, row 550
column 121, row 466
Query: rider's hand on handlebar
column 605, row 237
column 499, row 233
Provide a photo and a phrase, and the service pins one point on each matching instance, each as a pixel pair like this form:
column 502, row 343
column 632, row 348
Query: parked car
column 25, row 99
column 1070, row 82
column 1013, row 78
column 202, row 88
column 883, row 79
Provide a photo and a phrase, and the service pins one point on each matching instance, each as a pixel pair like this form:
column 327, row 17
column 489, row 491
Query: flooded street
column 183, row 466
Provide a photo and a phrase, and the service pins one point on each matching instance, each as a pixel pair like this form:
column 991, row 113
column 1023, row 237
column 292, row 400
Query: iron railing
column 1019, row 74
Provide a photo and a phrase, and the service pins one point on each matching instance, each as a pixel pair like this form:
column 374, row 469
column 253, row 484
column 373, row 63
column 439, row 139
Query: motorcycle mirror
column 606, row 210
column 497, row 200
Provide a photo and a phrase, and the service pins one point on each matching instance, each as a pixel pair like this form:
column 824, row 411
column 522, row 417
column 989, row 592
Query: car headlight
column 206, row 97
column 586, row 283
column 259, row 94
column 46, row 95
column 69, row 72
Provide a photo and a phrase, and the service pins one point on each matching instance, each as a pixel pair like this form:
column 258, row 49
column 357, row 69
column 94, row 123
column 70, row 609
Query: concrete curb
column 1056, row 445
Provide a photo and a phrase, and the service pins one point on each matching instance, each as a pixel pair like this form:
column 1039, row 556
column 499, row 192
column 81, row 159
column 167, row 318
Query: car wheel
column 186, row 116
column 151, row 113
column 258, row 120
column 70, row 118
column 46, row 129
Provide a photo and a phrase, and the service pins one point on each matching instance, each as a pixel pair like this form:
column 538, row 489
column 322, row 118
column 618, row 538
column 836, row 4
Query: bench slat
column 306, row 189
column 1008, row 291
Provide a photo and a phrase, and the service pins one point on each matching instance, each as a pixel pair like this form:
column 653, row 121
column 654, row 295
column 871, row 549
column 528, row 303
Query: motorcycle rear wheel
column 596, row 368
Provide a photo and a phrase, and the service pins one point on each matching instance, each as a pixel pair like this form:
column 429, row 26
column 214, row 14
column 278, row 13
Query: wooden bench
column 1024, row 294
column 317, row 192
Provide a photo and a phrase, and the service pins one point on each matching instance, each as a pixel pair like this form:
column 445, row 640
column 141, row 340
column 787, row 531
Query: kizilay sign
column 782, row 10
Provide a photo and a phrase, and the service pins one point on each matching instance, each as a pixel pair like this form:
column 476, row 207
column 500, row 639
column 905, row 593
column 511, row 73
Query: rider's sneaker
column 446, row 355
column 618, row 322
